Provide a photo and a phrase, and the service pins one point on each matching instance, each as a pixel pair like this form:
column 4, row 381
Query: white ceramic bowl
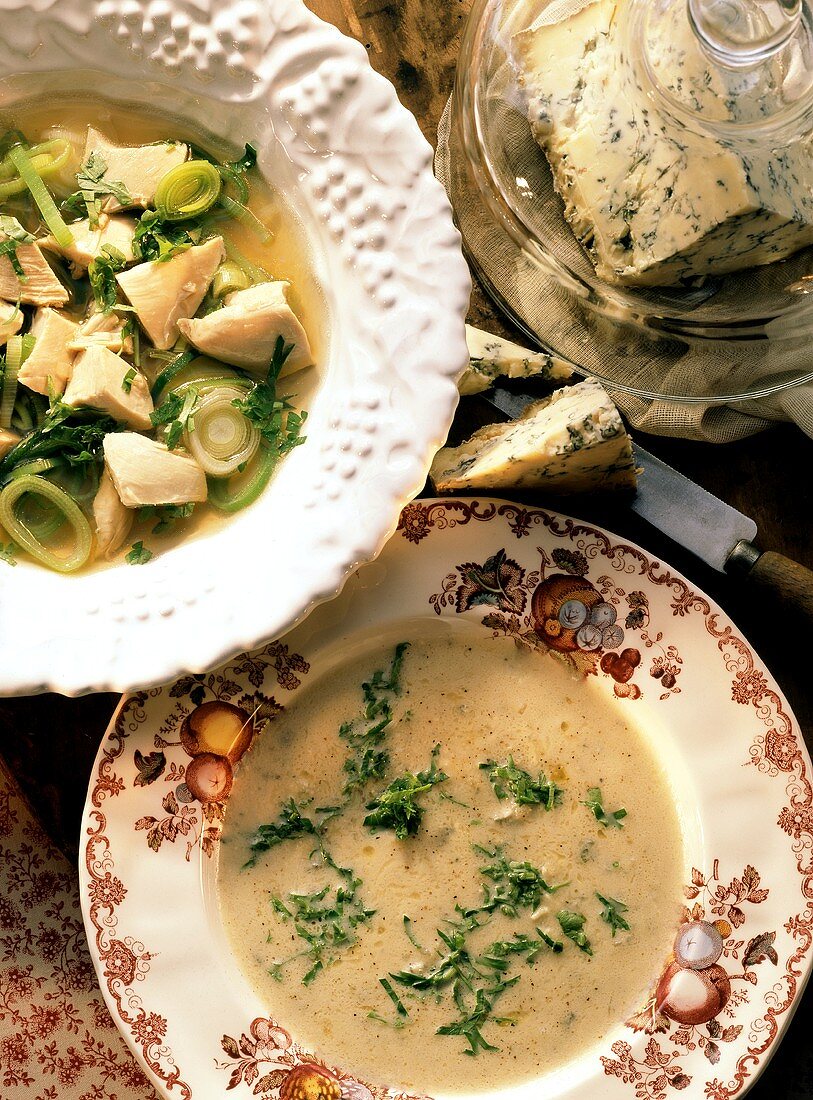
column 352, row 162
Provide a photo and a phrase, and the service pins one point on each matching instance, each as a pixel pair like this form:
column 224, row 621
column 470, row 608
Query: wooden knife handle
column 789, row 580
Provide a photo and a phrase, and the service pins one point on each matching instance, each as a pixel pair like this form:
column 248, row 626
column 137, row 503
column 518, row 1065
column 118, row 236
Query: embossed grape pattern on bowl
column 351, row 162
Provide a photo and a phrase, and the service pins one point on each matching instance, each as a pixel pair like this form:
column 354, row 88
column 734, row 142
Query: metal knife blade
column 688, row 513
column 677, row 506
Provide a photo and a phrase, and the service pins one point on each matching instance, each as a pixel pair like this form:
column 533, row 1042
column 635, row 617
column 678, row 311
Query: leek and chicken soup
column 451, row 865
column 153, row 299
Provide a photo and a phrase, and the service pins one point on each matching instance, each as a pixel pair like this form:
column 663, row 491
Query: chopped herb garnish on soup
column 490, row 950
column 612, row 912
column 515, row 783
column 289, row 826
column 593, row 802
column 572, row 924
column 134, row 280
column 398, row 806
column 365, row 734
column 138, row 554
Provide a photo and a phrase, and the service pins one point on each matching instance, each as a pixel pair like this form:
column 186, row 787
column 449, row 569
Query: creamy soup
column 510, row 870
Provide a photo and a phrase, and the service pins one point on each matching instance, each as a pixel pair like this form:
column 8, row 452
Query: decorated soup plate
column 519, row 812
column 348, row 163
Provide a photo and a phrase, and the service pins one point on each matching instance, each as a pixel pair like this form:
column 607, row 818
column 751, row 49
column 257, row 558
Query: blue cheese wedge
column 491, row 357
column 571, row 442
column 655, row 205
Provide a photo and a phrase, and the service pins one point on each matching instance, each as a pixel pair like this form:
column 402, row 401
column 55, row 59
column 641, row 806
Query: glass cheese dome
column 634, row 184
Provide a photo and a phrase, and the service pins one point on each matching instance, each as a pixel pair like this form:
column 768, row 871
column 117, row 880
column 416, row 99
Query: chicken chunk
column 50, row 364
column 102, row 380
column 8, row 440
column 11, row 321
column 138, row 167
column 246, row 329
column 165, row 293
column 105, row 330
column 41, row 286
column 145, row 472
column 113, row 521
column 117, row 232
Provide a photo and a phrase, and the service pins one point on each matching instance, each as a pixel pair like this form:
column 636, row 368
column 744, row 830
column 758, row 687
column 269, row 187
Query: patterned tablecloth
column 57, row 1040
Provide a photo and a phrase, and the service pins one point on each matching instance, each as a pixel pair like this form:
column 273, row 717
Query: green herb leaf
column 470, row 1024
column 275, row 418
column 175, row 412
column 8, row 248
column 366, row 733
column 93, row 187
column 611, row 912
column 326, row 920
column 289, row 826
column 393, row 996
column 15, row 235
column 166, row 514
column 572, row 924
column 509, row 781
column 102, row 275
column 410, row 935
column 158, row 240
column 397, row 806
column 73, row 435
column 608, row 820
column 138, row 555
column 517, row 885
column 7, row 555
column 128, row 379
column 11, row 228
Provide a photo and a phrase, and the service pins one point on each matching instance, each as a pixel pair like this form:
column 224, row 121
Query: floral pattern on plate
column 742, row 953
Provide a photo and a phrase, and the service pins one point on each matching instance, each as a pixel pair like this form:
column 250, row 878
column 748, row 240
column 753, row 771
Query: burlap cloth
column 548, row 312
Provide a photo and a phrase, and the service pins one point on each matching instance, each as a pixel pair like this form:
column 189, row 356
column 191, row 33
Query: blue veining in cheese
column 492, row 357
column 573, row 441
column 655, row 205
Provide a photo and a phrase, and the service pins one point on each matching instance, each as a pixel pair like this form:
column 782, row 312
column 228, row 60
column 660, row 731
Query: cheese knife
column 694, row 518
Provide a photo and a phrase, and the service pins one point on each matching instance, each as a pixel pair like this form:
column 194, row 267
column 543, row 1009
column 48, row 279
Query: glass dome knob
column 744, row 33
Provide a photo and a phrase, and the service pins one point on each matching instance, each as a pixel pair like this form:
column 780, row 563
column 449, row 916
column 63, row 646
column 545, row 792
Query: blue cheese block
column 491, row 357
column 571, row 442
column 656, row 205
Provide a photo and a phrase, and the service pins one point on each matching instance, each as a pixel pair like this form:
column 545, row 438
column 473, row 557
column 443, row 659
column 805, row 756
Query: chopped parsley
column 93, row 187
column 166, row 514
column 7, row 555
column 509, row 781
column 15, row 235
column 397, row 806
column 102, row 275
column 572, row 924
column 159, row 240
column 484, row 977
column 515, row 885
column 274, row 417
column 326, row 920
column 128, row 379
column 365, row 734
column 608, row 820
column 174, row 412
column 410, row 935
column 393, row 996
column 138, row 554
column 73, row 435
column 611, row 912
column 289, row 826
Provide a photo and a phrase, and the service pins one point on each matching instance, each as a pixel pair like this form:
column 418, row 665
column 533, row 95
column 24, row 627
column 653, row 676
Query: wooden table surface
column 50, row 742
